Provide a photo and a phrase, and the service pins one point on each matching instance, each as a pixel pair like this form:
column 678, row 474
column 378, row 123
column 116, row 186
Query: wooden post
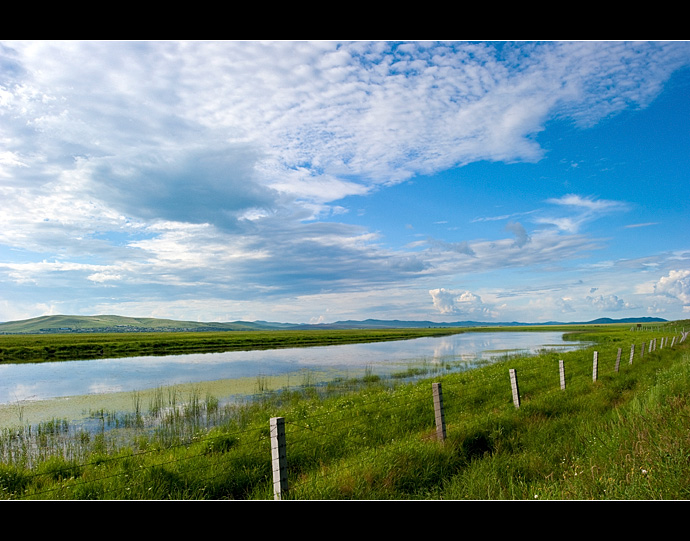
column 514, row 385
column 595, row 368
column 278, row 455
column 618, row 359
column 632, row 353
column 561, row 371
column 438, row 412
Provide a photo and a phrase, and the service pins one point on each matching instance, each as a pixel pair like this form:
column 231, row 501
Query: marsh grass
column 624, row 436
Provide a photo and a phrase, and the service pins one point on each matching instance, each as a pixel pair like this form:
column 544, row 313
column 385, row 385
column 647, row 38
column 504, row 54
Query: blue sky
column 320, row 181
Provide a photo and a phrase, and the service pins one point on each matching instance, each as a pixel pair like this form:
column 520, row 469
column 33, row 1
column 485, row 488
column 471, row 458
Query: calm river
column 21, row 383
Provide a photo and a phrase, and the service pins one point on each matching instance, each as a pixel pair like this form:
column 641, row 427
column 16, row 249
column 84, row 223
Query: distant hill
column 111, row 323
column 398, row 324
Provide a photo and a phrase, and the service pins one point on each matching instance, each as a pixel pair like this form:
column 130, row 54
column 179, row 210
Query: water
column 54, row 380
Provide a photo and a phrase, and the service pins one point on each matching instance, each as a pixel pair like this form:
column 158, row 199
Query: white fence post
column 632, row 353
column 279, row 457
column 595, row 367
column 514, row 385
column 438, row 412
column 561, row 371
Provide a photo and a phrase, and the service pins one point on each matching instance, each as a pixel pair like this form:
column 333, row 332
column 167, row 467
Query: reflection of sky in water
column 68, row 378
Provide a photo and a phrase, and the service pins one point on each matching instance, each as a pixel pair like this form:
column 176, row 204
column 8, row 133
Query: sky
column 319, row 181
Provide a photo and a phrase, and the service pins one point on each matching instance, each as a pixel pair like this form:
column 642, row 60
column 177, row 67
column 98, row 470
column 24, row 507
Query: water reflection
column 49, row 380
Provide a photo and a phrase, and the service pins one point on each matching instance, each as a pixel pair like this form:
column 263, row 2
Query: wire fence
column 231, row 464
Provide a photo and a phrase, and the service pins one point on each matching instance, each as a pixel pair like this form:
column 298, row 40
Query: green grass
column 624, row 436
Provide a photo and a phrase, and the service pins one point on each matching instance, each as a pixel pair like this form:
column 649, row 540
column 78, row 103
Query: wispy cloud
column 648, row 224
column 503, row 217
column 581, row 210
column 589, row 204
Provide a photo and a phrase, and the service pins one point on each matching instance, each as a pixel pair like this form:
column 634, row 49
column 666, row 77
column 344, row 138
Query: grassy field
column 623, row 436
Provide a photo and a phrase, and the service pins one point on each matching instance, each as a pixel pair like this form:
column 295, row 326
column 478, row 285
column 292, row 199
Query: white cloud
column 564, row 304
column 609, row 303
column 542, row 306
column 675, row 285
column 465, row 303
column 104, row 277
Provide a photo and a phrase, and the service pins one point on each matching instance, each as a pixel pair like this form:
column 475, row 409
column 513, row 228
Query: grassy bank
column 55, row 347
column 622, row 436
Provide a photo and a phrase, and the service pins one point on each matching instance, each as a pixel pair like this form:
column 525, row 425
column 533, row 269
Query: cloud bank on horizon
column 317, row 181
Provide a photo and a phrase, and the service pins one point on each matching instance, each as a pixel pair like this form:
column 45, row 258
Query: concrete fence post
column 279, row 457
column 438, row 412
column 514, row 385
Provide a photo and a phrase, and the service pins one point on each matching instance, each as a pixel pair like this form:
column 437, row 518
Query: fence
column 414, row 414
column 278, row 437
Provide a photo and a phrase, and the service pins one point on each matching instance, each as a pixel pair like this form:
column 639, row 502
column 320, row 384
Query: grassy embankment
column 624, row 436
column 73, row 346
